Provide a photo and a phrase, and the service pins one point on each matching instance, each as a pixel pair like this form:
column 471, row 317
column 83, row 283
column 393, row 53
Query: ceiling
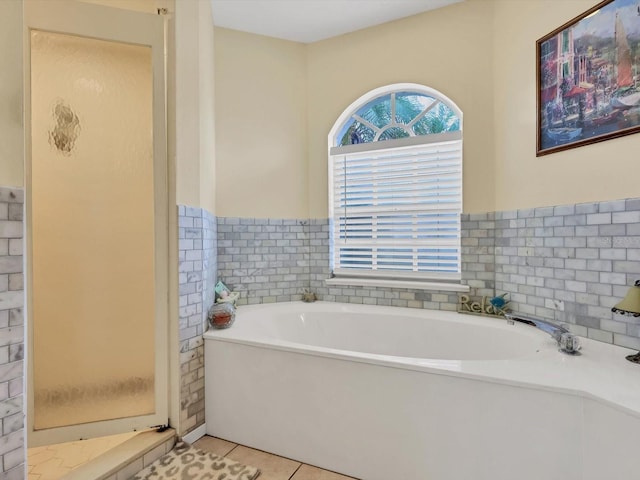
column 308, row 21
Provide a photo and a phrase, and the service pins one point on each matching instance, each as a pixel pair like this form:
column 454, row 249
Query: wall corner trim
column 195, row 434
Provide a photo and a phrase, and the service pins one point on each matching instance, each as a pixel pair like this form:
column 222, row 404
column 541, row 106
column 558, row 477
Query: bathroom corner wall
column 261, row 126
column 197, row 232
column 209, row 261
column 265, row 260
column 12, row 438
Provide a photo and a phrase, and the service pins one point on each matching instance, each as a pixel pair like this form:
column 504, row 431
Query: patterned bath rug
column 185, row 462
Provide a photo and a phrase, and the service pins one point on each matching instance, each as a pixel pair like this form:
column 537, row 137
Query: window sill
column 413, row 284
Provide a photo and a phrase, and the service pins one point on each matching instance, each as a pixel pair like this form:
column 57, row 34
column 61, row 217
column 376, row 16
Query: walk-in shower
column 97, row 216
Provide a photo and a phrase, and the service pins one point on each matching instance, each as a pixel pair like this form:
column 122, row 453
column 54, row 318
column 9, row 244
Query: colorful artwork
column 589, row 78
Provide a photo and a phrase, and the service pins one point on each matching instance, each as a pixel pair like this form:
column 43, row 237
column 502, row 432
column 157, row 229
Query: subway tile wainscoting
column 572, row 263
column 275, row 260
column 12, row 453
column 396, row 297
column 197, row 257
column 266, row 260
column 568, row 263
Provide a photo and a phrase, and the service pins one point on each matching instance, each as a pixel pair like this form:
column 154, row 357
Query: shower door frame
column 130, row 27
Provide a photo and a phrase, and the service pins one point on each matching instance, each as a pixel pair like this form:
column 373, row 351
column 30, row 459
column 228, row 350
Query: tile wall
column 572, row 263
column 197, row 232
column 209, row 260
column 478, row 253
column 567, row 263
column 266, row 260
column 12, row 438
column 396, row 297
column 276, row 260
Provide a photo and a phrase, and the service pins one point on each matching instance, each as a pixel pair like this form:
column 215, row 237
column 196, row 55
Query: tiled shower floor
column 272, row 467
column 52, row 462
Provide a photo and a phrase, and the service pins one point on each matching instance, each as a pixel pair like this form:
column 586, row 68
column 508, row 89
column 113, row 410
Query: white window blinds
column 396, row 211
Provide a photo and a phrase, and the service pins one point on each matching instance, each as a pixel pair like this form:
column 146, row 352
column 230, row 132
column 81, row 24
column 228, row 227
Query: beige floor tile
column 214, row 445
column 55, row 474
column 307, row 472
column 36, row 450
column 40, row 455
column 51, row 469
column 53, row 461
column 48, row 465
column 271, row 467
column 74, row 457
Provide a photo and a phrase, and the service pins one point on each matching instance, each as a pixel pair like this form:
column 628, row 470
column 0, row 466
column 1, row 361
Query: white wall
column 261, row 131
column 448, row 49
column 480, row 53
column 11, row 128
column 206, row 97
column 193, row 84
column 603, row 171
column 277, row 101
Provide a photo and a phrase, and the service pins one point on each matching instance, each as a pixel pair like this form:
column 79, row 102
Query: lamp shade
column 630, row 304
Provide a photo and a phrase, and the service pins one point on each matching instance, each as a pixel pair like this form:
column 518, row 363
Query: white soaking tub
column 382, row 393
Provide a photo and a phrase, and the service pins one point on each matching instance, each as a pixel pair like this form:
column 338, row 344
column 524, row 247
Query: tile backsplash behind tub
column 568, row 263
column 265, row 260
column 572, row 263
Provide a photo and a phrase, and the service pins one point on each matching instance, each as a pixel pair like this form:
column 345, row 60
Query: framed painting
column 588, row 78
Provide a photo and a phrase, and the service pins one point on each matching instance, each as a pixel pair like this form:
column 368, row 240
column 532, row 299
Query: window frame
column 366, row 277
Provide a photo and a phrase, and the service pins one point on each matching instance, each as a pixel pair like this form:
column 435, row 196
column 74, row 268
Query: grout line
column 296, row 471
column 264, row 451
column 286, row 458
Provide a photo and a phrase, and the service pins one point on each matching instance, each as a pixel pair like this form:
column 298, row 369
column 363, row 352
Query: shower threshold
column 106, row 458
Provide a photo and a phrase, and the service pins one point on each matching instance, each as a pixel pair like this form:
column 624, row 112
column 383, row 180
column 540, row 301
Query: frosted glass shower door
column 97, row 217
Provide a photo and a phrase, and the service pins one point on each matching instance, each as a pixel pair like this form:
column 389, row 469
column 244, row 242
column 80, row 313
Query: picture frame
column 588, row 78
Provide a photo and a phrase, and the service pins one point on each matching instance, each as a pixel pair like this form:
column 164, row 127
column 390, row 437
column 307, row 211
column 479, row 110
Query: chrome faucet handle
column 569, row 343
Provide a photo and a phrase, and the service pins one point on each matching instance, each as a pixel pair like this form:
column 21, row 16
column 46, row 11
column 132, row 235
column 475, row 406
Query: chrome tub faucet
column 567, row 341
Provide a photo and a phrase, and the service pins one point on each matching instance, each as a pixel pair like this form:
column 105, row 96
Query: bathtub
column 380, row 393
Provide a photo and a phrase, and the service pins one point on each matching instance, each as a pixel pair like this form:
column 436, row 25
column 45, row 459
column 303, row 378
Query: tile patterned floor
column 272, row 467
column 52, row 462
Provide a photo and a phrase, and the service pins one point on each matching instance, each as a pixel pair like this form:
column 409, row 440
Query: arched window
column 395, row 186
